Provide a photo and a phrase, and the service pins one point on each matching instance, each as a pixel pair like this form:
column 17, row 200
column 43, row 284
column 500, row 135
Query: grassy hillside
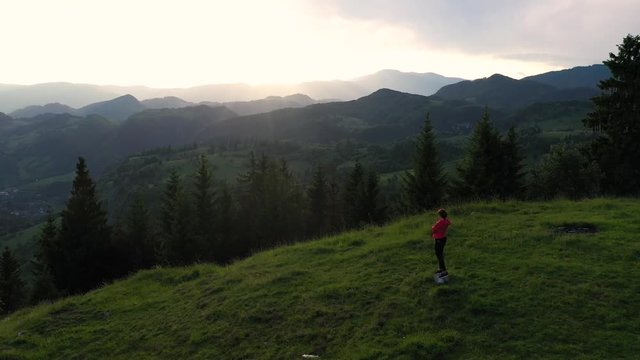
column 520, row 289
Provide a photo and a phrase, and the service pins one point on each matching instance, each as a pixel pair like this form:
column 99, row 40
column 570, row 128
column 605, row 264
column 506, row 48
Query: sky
column 182, row 43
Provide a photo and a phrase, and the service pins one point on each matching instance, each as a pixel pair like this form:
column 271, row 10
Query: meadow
column 522, row 286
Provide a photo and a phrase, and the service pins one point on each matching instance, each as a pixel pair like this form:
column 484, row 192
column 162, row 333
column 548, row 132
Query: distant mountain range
column 14, row 97
column 21, row 97
column 120, row 108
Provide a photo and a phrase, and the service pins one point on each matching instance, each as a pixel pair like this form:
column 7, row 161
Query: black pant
column 440, row 243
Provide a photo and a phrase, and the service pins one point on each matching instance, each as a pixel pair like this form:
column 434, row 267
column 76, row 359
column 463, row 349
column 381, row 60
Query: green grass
column 519, row 289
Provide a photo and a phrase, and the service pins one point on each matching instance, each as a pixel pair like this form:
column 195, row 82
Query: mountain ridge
column 17, row 96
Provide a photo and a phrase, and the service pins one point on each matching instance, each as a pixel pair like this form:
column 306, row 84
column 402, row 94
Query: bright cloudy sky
column 179, row 43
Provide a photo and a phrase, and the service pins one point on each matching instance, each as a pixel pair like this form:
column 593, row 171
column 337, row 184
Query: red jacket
column 439, row 230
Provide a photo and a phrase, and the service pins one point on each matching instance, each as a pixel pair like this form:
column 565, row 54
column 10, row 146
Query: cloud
column 561, row 32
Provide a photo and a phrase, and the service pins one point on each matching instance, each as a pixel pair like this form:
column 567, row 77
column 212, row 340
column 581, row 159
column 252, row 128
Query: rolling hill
column 522, row 286
column 118, row 109
column 409, row 82
column 35, row 110
column 166, row 127
column 167, row 102
column 382, row 117
column 580, row 76
column 499, row 91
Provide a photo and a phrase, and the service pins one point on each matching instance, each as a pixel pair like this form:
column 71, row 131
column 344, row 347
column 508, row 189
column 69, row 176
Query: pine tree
column 317, row 193
column 292, row 203
column 178, row 246
column 47, row 241
column 43, row 286
column 140, row 248
column 228, row 248
column 204, row 200
column 479, row 172
column 353, row 195
column 83, row 252
column 512, row 178
column 424, row 187
column 616, row 119
column 334, row 208
column 361, row 198
column 270, row 206
column 250, row 192
column 12, row 288
column 372, row 204
column 579, row 177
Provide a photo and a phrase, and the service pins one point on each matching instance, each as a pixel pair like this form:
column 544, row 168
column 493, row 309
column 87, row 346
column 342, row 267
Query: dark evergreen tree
column 479, row 173
column 271, row 205
column 83, row 254
column 12, row 289
column 372, row 202
column 334, row 208
column 565, row 172
column 354, row 192
column 228, row 247
column 178, row 246
column 361, row 198
column 47, row 241
column 318, row 194
column 424, row 187
column 249, row 190
column 204, row 200
column 511, row 182
column 43, row 287
column 616, row 119
column 139, row 245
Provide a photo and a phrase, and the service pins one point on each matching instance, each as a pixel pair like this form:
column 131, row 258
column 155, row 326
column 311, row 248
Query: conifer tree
column 354, row 193
column 271, row 204
column 479, row 172
column 616, row 119
column 43, row 286
column 565, row 172
column 372, row 203
column 361, row 198
column 204, row 200
column 178, row 247
column 424, row 187
column 512, row 178
column 228, row 248
column 83, row 251
column 317, row 193
column 250, row 203
column 12, row 290
column 140, row 248
column 334, row 207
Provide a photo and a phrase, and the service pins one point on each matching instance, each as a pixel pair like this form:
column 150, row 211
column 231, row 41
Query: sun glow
column 187, row 43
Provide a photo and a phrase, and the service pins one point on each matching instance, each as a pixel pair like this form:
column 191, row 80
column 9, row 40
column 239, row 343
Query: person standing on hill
column 439, row 235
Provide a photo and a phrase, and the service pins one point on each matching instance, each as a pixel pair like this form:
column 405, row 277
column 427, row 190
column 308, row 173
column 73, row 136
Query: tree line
column 196, row 222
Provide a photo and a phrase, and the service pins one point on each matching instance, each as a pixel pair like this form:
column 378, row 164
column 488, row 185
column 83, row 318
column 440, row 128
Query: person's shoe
column 443, row 273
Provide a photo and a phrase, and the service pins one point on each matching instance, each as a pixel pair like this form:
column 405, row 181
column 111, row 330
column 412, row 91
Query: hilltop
column 522, row 287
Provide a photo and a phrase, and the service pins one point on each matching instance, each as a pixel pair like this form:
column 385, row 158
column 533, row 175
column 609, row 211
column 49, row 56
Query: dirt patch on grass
column 576, row 228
